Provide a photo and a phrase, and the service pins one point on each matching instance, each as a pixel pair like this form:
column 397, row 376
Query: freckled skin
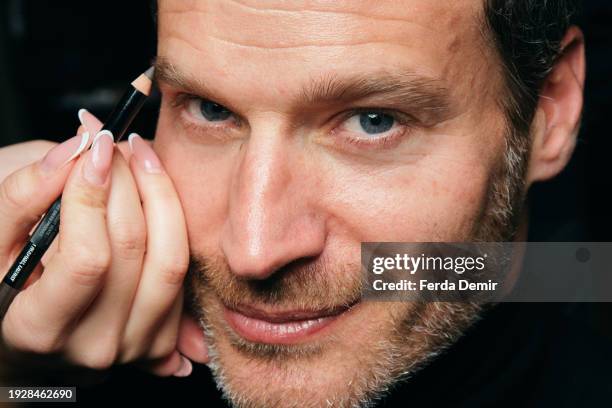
column 278, row 192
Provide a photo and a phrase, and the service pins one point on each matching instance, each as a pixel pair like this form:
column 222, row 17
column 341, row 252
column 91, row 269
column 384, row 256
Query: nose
column 272, row 216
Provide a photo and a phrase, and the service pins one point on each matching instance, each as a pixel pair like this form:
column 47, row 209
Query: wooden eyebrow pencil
column 117, row 123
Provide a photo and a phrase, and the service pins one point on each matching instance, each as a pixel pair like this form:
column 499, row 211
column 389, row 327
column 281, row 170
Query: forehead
column 238, row 42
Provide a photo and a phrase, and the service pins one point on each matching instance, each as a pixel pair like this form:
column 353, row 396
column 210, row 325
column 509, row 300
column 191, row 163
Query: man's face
column 294, row 131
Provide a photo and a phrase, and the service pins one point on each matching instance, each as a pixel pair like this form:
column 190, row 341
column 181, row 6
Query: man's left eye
column 372, row 123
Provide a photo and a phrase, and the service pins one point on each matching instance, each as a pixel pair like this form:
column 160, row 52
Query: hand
column 111, row 291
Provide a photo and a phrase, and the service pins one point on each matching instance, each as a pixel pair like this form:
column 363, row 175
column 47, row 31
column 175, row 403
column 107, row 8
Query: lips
column 279, row 327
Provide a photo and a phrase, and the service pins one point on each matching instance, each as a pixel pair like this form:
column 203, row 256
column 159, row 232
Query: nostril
column 244, row 262
column 272, row 258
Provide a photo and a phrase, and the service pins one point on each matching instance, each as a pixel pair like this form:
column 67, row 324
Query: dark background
column 59, row 56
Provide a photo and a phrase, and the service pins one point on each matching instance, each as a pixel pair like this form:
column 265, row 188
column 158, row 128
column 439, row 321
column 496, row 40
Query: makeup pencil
column 117, row 123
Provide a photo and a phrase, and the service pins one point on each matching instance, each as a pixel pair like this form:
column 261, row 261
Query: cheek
column 432, row 199
column 201, row 179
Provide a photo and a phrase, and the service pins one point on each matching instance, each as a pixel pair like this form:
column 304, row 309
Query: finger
column 165, row 337
column 49, row 253
column 167, row 253
column 89, row 121
column 184, row 369
column 27, row 193
column 124, row 148
column 175, row 364
column 95, row 341
column 191, row 341
column 74, row 275
column 34, row 276
column 13, row 157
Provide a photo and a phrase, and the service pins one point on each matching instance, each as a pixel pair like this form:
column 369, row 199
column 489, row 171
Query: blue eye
column 213, row 112
column 371, row 123
column 374, row 122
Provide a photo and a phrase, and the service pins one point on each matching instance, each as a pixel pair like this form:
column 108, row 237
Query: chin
column 349, row 359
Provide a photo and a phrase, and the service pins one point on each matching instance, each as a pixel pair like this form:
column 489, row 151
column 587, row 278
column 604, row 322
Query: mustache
column 304, row 284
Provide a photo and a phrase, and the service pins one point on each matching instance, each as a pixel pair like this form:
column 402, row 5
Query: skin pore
column 263, row 129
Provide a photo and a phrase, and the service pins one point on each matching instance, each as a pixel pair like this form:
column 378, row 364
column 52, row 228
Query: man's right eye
column 204, row 109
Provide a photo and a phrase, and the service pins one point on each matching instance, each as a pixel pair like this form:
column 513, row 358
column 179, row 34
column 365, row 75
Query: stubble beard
column 420, row 330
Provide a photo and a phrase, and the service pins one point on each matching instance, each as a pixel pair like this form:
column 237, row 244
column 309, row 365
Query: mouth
column 281, row 327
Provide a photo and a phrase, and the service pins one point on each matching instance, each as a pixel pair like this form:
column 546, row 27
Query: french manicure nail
column 64, row 153
column 144, row 155
column 185, row 369
column 103, row 133
column 97, row 165
column 80, row 115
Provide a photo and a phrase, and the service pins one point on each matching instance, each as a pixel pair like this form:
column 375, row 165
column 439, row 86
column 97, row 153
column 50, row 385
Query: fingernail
column 80, row 115
column 185, row 368
column 144, row 155
column 97, row 166
column 64, row 153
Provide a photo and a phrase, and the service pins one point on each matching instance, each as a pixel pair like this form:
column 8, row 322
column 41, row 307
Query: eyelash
column 181, row 101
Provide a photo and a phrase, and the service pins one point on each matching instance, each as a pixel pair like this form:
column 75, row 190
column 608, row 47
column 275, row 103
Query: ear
column 557, row 119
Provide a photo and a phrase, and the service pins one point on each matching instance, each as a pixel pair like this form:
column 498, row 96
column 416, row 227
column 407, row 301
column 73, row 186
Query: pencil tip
column 144, row 82
column 149, row 73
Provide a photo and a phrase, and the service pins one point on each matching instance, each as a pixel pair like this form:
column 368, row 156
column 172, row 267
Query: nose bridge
column 270, row 219
column 262, row 180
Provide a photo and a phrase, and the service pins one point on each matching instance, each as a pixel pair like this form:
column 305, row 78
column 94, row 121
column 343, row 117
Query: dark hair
column 527, row 35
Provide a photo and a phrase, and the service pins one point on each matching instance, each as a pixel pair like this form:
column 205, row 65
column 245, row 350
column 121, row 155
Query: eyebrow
column 412, row 91
column 167, row 72
column 417, row 93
